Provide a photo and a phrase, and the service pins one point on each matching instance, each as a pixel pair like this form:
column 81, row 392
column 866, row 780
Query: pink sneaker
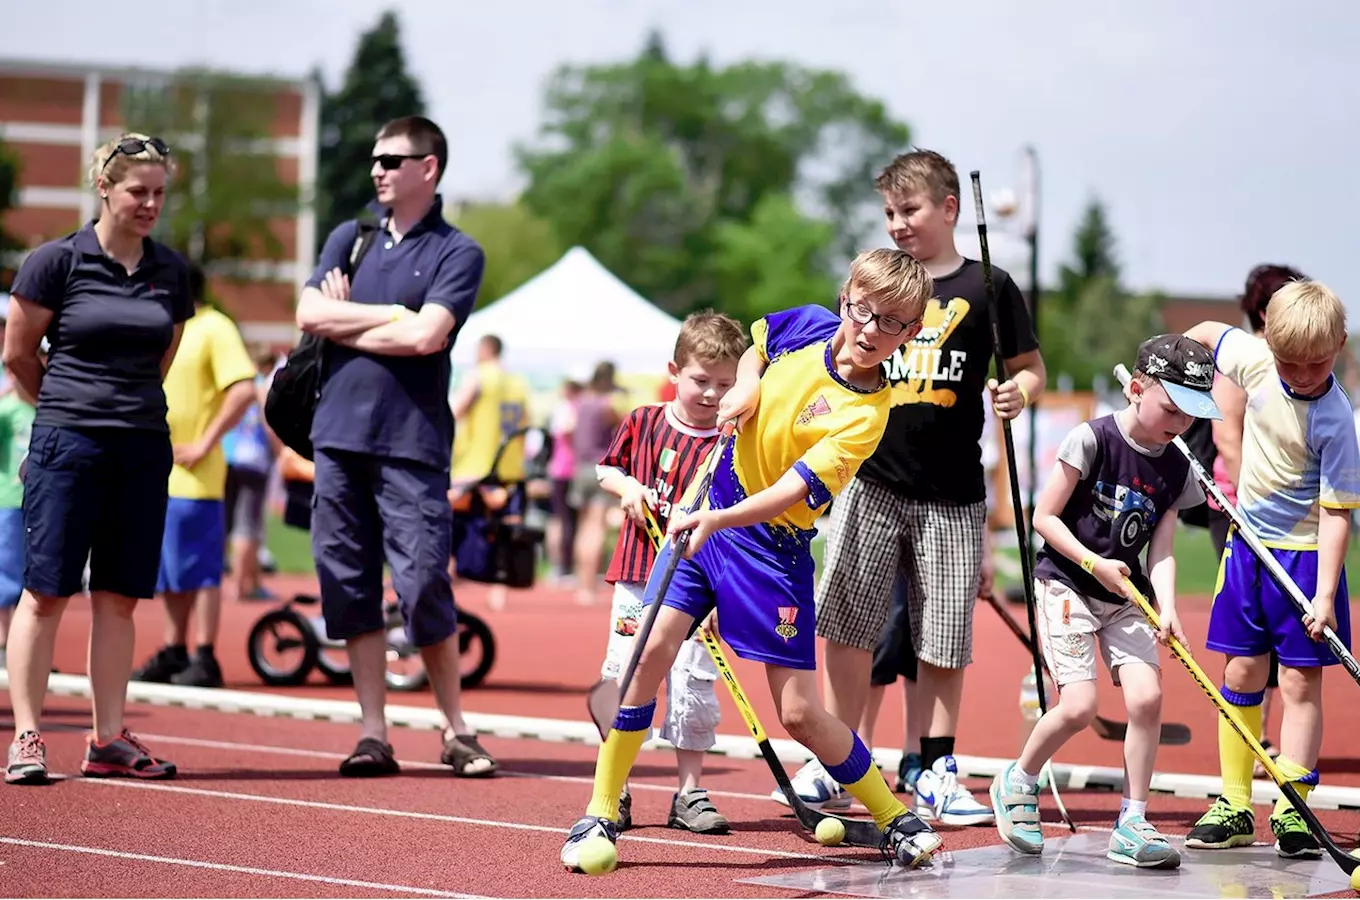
column 123, row 757
column 27, row 760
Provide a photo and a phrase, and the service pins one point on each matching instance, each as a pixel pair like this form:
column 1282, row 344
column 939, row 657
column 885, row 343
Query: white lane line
column 439, row 817
column 402, row 889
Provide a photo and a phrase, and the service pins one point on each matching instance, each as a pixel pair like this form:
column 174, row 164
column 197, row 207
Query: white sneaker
column 939, row 796
column 815, row 788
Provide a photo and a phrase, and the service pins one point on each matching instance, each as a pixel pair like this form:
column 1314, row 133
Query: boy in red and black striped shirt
column 654, row 455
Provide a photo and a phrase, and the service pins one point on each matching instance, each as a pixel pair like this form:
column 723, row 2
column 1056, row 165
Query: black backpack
column 296, row 387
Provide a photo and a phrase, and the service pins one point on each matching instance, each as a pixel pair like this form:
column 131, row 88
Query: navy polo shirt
column 397, row 406
column 109, row 330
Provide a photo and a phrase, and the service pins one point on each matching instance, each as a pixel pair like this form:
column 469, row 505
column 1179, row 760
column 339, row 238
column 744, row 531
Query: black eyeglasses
column 886, row 324
column 391, row 161
column 131, row 146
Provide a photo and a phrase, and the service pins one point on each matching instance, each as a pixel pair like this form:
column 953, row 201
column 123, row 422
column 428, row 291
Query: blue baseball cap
column 1185, row 369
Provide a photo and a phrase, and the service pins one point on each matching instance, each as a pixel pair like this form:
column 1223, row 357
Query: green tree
column 9, row 194
column 377, row 88
column 1091, row 322
column 517, row 243
column 650, row 164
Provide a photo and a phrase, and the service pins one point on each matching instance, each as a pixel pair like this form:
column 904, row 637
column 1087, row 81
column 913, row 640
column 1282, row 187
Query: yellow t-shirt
column 501, row 408
column 211, row 358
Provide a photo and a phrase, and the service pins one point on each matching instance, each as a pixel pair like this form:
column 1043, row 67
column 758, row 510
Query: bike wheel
column 477, row 646
column 282, row 648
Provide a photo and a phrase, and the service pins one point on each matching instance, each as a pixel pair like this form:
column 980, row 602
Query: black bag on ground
column 293, row 393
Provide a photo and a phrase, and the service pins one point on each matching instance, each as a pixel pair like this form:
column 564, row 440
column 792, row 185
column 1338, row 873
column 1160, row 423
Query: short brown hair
column 919, row 172
column 709, row 337
column 1262, row 283
column 894, row 278
column 426, row 138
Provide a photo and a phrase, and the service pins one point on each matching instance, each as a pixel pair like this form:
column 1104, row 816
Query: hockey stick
column 606, row 696
column 1267, row 559
column 858, row 832
column 1174, row 734
column 1343, row 859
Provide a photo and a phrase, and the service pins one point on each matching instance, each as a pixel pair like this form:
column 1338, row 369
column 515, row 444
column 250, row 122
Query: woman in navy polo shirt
column 112, row 303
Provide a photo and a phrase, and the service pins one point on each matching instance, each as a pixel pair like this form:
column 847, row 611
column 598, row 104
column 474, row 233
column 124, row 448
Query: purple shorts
column 1252, row 615
column 764, row 595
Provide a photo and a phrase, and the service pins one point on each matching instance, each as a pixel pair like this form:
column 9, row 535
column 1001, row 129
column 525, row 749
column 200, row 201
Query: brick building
column 53, row 116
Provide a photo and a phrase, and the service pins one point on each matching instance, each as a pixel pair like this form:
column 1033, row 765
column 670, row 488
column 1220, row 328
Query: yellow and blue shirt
column 1298, row 453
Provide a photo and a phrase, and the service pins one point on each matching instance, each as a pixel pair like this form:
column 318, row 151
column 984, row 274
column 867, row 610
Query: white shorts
column 1074, row 623
column 692, row 711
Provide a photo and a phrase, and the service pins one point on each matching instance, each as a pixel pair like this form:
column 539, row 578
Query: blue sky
column 1219, row 135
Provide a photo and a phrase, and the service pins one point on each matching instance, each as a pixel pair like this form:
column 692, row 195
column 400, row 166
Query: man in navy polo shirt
column 383, row 433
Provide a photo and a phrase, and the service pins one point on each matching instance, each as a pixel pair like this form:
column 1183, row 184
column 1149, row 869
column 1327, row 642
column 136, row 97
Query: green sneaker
column 1223, row 826
column 1017, row 813
column 1293, row 840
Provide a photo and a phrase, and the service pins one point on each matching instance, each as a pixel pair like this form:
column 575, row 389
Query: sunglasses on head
column 392, row 161
column 131, row 146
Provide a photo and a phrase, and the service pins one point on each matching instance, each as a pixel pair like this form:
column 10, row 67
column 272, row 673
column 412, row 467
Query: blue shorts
column 193, row 549
column 764, row 595
column 365, row 508
column 1252, row 616
column 96, row 495
column 11, row 556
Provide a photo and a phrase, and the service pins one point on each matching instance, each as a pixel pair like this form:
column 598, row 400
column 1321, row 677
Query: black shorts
column 896, row 653
column 96, row 494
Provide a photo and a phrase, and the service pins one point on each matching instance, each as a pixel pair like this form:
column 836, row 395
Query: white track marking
column 439, row 817
column 402, row 889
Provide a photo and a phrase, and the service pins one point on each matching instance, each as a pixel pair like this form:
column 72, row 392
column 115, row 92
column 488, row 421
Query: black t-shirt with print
column 931, row 448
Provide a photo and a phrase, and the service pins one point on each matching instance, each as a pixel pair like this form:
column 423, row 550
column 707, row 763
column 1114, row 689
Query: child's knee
column 798, row 718
column 1141, row 684
column 1078, row 704
column 1301, row 685
column 1246, row 674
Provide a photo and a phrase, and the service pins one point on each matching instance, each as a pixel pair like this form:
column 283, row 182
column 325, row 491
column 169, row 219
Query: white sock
column 1128, row 809
column 1021, row 778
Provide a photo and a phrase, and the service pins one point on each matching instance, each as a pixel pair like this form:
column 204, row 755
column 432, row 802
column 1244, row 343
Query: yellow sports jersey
column 501, row 408
column 1298, row 453
column 211, row 358
column 809, row 419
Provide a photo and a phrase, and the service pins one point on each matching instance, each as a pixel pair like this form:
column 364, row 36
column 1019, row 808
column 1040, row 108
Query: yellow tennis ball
column 830, row 832
column 1355, row 879
column 598, row 856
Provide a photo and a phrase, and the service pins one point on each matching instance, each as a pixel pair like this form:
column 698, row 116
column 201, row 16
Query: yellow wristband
column 1088, row 562
column 397, row 312
column 1024, row 394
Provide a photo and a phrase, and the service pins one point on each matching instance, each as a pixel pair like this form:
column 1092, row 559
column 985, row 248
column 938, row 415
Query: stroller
column 494, row 541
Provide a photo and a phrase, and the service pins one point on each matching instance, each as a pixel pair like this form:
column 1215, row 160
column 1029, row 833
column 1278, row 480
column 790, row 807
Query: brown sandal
column 461, row 750
column 370, row 759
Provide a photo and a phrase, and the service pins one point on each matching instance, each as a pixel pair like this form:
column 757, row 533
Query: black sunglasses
column 135, row 146
column 392, row 161
column 864, row 315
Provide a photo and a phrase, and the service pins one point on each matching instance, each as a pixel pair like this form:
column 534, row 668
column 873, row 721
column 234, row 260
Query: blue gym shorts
column 764, row 594
column 368, row 508
column 193, row 549
column 11, row 557
column 95, row 494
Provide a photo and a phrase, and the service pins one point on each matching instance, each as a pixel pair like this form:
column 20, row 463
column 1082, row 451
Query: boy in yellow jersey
column 208, row 389
column 1299, row 481
column 490, row 405
column 812, row 402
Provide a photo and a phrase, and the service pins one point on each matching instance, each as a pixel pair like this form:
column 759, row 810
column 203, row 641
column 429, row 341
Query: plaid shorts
column 876, row 533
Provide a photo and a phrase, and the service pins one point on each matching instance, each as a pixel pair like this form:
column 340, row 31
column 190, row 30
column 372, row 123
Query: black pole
column 1033, row 238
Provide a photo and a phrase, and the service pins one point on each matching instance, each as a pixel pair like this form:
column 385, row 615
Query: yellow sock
column 617, row 755
column 1303, row 780
column 1235, row 758
column 858, row 775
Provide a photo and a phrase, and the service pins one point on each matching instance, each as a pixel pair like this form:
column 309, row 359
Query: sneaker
column 1293, row 840
column 166, row 664
column 27, row 760
column 1016, row 808
column 202, row 671
column 910, row 841
column 940, row 796
column 1137, row 843
column 123, row 757
column 1223, row 826
column 908, row 770
column 586, row 827
column 693, row 811
column 625, row 811
column 815, row 788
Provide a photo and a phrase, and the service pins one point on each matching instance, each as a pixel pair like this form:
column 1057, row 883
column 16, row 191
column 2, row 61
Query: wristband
column 397, row 312
column 1024, row 394
column 1088, row 562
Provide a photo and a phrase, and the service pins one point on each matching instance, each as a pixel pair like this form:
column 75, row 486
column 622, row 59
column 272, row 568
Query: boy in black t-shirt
column 1114, row 493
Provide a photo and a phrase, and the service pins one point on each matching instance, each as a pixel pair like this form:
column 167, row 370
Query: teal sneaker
column 1137, row 843
column 1017, row 813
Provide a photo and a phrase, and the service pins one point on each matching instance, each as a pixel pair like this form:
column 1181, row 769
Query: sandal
column 370, row 759
column 461, row 750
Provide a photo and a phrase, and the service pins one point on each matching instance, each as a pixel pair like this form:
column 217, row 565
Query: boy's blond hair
column 894, row 278
column 709, row 337
column 919, row 172
column 1306, row 320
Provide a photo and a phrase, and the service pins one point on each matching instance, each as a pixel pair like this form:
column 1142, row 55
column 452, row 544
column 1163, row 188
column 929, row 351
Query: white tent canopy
column 567, row 319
